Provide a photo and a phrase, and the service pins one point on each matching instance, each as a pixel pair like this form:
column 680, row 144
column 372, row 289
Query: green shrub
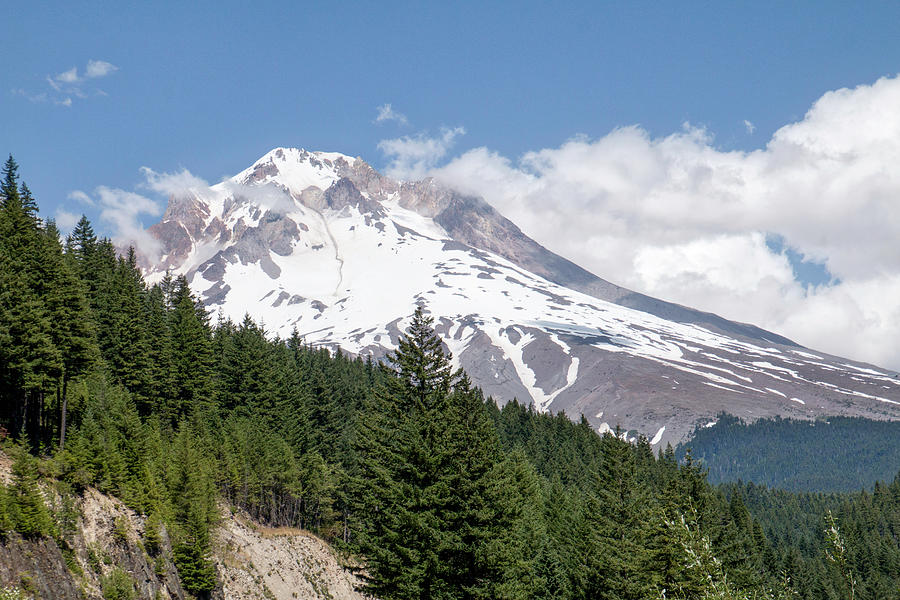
column 120, row 529
column 152, row 535
column 26, row 580
column 6, row 520
column 117, row 585
column 159, row 566
column 71, row 560
column 12, row 593
column 92, row 558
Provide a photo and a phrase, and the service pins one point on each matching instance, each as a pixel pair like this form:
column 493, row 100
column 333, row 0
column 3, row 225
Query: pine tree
column 29, row 204
column 621, row 509
column 72, row 330
column 29, row 511
column 9, row 189
column 405, row 456
column 246, row 371
column 192, row 356
column 191, row 493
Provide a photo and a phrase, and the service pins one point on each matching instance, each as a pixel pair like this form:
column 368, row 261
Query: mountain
column 323, row 243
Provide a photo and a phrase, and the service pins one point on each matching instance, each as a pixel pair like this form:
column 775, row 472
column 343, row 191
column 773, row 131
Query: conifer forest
column 402, row 464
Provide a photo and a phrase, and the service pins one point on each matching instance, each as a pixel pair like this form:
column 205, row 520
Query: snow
column 722, row 387
column 296, row 172
column 658, row 437
column 351, row 275
column 864, row 370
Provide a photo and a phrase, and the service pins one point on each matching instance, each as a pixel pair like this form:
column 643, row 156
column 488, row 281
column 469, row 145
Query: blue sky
column 741, row 151
column 212, row 86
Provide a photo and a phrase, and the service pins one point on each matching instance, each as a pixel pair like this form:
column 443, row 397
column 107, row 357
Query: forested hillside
column 840, row 454
column 404, row 466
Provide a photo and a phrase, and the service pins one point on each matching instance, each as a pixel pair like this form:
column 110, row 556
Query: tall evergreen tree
column 9, row 188
column 192, row 355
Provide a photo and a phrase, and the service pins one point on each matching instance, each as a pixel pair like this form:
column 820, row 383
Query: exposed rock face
column 283, row 564
column 252, row 561
column 323, row 243
column 108, row 537
column 37, row 567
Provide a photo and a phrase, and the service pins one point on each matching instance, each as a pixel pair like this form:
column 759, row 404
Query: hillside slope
column 107, row 541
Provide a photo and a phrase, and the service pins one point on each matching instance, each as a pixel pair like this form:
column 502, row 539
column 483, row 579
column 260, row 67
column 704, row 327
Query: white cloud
column 386, row 113
column 678, row 218
column 81, row 197
column 750, row 127
column 66, row 220
column 69, row 84
column 170, row 184
column 99, row 68
column 269, row 197
column 70, row 76
column 121, row 211
column 411, row 157
column 42, row 97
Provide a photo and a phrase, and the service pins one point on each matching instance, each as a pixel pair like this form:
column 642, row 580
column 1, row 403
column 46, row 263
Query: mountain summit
column 322, row 243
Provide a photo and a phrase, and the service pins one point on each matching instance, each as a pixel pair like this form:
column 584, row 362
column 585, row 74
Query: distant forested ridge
column 106, row 381
column 838, row 454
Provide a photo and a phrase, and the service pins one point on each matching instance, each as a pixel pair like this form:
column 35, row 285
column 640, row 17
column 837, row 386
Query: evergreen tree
column 407, row 473
column 29, row 510
column 620, row 509
column 9, row 189
column 191, row 486
column 191, row 351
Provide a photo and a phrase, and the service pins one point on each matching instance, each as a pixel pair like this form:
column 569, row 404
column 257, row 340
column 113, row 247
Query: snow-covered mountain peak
column 296, row 169
column 323, row 243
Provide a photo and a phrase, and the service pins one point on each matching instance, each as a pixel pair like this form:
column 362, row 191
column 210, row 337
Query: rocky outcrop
column 107, row 539
column 37, row 567
column 281, row 563
column 252, row 561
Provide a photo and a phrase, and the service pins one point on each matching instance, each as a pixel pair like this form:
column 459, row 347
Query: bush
column 11, row 593
column 117, row 585
column 120, row 529
column 6, row 520
column 152, row 536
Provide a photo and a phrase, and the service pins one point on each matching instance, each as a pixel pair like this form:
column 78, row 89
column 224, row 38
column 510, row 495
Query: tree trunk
column 346, row 527
column 62, row 414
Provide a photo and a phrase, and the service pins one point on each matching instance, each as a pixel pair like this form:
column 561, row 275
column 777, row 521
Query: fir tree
column 191, row 351
column 29, row 511
column 9, row 189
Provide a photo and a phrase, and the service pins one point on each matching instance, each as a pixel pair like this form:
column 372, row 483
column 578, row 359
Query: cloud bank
column 412, row 157
column 678, row 218
column 121, row 212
